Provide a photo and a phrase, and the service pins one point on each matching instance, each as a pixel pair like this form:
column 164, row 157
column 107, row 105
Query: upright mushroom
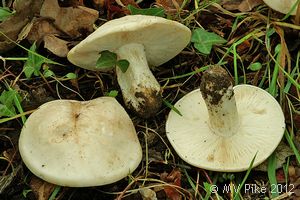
column 283, row 6
column 143, row 41
column 223, row 127
column 80, row 144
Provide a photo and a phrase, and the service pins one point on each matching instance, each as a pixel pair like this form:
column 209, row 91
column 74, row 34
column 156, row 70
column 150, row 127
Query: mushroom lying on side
column 223, row 127
column 143, row 41
column 283, row 6
column 80, row 144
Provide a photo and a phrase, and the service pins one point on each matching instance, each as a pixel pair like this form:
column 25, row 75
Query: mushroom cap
column 163, row 39
column 261, row 128
column 283, row 6
column 80, row 144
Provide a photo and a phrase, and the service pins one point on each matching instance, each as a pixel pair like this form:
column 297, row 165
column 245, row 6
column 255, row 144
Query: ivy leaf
column 7, row 103
column 107, row 59
column 255, row 66
column 71, row 76
column 112, row 93
column 123, row 65
column 203, row 40
column 34, row 63
column 160, row 12
column 5, row 13
column 47, row 73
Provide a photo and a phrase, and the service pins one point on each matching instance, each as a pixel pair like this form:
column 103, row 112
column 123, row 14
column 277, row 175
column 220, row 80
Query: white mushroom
column 80, row 144
column 283, row 6
column 143, row 41
column 223, row 127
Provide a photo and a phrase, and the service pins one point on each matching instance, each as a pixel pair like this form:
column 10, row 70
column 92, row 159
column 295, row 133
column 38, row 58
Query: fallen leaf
column 282, row 152
column 11, row 27
column 171, row 5
column 241, row 5
column 40, row 28
column 230, row 4
column 41, row 189
column 248, row 5
column 71, row 20
column 57, row 46
column 173, row 178
column 147, row 194
column 243, row 47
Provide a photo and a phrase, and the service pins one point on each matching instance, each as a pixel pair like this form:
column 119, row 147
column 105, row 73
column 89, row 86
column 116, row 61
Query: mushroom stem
column 140, row 89
column 217, row 90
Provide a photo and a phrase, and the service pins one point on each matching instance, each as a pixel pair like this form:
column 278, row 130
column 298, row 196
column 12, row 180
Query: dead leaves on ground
column 241, row 5
column 11, row 27
column 41, row 189
column 173, row 178
column 48, row 22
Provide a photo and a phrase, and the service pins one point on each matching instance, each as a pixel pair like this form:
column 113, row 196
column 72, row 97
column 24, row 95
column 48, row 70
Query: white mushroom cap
column 283, row 6
column 227, row 144
column 162, row 39
column 141, row 40
column 80, row 144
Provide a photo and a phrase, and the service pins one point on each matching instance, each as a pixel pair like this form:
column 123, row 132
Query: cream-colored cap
column 80, row 144
column 259, row 129
column 283, row 6
column 161, row 38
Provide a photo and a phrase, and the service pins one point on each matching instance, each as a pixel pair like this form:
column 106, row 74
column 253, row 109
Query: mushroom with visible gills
column 223, row 127
column 80, row 144
column 283, row 6
column 144, row 41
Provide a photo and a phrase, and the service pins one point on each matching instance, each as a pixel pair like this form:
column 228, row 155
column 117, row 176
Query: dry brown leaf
column 25, row 11
column 282, row 152
column 41, row 189
column 231, row 4
column 241, row 5
column 173, row 178
column 169, row 4
column 57, row 46
column 70, row 20
column 248, row 5
column 147, row 194
column 40, row 28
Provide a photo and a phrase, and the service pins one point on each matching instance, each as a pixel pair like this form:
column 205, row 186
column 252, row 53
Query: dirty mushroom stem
column 140, row 89
column 217, row 90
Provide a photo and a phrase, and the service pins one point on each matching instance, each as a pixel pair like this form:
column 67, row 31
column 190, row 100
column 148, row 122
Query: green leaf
column 107, row 59
column 47, row 73
column 112, row 93
column 34, row 63
column 160, row 12
column 7, row 103
column 203, row 40
column 5, row 13
column 123, row 65
column 255, row 66
column 272, row 174
column 71, row 75
column 208, row 189
column 205, row 49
